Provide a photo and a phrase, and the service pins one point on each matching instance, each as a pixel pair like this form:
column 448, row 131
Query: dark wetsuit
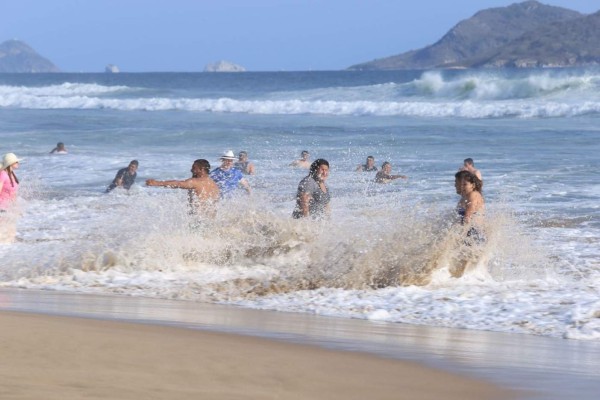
column 128, row 179
column 319, row 199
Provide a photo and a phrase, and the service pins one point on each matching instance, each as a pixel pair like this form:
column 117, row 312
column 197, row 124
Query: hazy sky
column 261, row 35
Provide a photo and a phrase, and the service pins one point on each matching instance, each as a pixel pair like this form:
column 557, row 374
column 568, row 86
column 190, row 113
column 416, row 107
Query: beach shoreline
column 531, row 366
column 57, row 357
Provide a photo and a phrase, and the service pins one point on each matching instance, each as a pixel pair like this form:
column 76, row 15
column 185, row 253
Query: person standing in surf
column 243, row 164
column 9, row 187
column 203, row 192
column 313, row 197
column 369, row 166
column 228, row 177
column 9, row 183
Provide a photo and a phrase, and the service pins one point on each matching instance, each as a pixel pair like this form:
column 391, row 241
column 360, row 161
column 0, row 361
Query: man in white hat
column 228, row 177
column 9, row 183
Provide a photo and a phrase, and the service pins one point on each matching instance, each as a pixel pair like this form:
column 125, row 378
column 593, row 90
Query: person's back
column 59, row 149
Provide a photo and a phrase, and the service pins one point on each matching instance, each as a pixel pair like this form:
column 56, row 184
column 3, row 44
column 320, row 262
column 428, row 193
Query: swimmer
column 59, row 149
column 385, row 175
column 303, row 162
column 368, row 167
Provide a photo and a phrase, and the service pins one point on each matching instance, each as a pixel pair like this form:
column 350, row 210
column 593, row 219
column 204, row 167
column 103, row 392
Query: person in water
column 125, row 177
column 303, row 162
column 369, row 166
column 243, row 164
column 385, row 175
column 228, row 177
column 469, row 165
column 313, row 197
column 9, row 183
column 471, row 204
column 59, row 149
column 203, row 192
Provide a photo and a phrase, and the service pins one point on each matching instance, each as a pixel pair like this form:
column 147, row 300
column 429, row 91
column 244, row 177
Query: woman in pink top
column 9, row 184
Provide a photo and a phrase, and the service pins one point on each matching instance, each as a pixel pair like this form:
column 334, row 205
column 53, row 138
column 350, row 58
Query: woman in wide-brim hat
column 9, row 183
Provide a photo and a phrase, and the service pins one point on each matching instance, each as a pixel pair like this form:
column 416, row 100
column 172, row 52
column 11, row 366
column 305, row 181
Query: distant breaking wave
column 469, row 95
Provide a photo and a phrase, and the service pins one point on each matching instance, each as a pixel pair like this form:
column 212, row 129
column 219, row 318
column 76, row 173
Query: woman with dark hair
column 313, row 195
column 9, row 183
column 471, row 205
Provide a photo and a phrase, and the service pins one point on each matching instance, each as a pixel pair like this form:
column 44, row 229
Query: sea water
column 386, row 251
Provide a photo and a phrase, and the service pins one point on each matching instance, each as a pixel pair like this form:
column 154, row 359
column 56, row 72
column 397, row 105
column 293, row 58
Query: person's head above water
column 473, row 179
column 200, row 165
column 458, row 178
column 318, row 169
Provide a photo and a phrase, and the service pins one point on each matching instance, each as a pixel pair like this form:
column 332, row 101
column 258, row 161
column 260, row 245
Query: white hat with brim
column 228, row 155
column 9, row 159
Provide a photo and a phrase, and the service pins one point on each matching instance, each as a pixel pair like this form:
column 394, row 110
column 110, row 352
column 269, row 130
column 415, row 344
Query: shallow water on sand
column 544, row 368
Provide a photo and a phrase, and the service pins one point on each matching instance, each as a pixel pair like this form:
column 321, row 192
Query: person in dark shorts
column 313, row 197
column 125, row 177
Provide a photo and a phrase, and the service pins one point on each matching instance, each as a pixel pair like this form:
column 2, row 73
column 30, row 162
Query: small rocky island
column 224, row 66
column 111, row 69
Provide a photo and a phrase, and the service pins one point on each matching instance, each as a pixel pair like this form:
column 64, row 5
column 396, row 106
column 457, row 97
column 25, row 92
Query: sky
column 260, row 35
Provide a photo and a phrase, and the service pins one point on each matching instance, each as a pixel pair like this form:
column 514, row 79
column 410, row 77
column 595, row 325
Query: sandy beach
column 55, row 357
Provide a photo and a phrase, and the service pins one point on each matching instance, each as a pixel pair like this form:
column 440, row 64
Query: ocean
column 385, row 252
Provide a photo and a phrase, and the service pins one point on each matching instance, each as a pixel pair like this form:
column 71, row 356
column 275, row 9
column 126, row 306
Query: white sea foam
column 444, row 109
column 389, row 251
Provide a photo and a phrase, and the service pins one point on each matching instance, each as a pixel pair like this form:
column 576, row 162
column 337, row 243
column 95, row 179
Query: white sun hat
column 9, row 159
column 228, row 155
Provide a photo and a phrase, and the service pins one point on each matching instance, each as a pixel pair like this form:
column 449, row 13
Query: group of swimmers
column 206, row 187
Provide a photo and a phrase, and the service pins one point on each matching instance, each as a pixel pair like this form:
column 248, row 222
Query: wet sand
column 54, row 357
column 535, row 367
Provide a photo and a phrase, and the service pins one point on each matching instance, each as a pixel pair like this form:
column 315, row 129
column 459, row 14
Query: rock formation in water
column 111, row 69
column 223, row 66
column 17, row 56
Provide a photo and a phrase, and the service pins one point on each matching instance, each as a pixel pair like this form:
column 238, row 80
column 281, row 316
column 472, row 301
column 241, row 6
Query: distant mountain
column 17, row 56
column 561, row 44
column 486, row 31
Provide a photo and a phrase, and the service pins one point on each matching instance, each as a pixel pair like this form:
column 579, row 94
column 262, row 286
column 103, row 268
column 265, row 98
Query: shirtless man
column 203, row 191
column 385, row 175
column 368, row 167
column 303, row 162
column 469, row 165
